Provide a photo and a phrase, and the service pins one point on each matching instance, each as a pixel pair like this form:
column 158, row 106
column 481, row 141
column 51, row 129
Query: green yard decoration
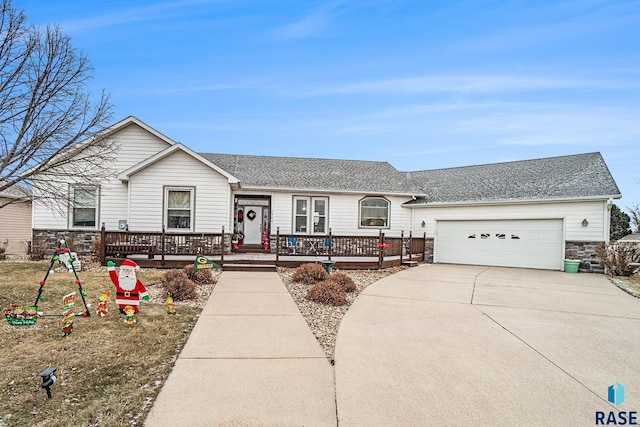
column 170, row 308
column 68, row 303
column 18, row 316
column 130, row 312
column 62, row 248
column 202, row 263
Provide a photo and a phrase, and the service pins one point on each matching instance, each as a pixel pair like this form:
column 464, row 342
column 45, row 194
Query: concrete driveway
column 469, row 345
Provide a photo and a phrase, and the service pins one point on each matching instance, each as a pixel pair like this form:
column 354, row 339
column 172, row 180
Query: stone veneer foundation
column 45, row 241
column 586, row 253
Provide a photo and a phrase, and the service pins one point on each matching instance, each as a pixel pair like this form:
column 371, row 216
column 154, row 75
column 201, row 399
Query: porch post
column 162, row 257
column 381, row 249
column 103, row 245
column 410, row 245
column 401, row 245
column 277, row 245
column 330, row 244
column 222, row 246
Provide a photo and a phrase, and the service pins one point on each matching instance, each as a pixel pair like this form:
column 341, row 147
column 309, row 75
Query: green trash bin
column 571, row 265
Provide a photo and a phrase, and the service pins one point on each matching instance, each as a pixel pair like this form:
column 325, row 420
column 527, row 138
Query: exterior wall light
column 585, row 222
column 423, row 224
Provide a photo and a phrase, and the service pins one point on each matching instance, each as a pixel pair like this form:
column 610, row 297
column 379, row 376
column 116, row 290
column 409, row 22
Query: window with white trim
column 374, row 212
column 179, row 208
column 85, row 207
column 310, row 215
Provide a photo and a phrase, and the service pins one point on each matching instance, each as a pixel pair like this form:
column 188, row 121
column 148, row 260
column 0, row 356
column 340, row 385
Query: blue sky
column 421, row 84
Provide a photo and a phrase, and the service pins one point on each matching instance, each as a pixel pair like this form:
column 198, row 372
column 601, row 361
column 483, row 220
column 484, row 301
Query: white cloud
column 129, row 16
column 307, row 26
column 464, row 84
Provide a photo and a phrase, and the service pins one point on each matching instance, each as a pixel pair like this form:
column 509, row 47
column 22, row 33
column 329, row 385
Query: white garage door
column 530, row 243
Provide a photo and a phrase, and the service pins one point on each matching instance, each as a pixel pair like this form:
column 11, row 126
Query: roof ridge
column 506, row 162
column 299, row 158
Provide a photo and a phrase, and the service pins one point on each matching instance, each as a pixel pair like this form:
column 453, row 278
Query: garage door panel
column 509, row 243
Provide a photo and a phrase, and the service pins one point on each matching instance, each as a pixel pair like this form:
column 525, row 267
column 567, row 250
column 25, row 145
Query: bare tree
column 49, row 124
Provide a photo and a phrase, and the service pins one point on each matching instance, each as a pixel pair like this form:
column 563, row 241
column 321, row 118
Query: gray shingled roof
column 575, row 176
column 313, row 174
column 630, row 238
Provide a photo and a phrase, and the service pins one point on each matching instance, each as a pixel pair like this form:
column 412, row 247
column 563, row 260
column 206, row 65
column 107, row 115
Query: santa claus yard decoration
column 129, row 289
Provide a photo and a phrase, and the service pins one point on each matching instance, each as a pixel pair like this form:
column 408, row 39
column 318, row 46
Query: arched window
column 374, row 212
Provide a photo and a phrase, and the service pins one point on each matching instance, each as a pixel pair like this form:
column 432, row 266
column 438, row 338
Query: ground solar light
column 48, row 378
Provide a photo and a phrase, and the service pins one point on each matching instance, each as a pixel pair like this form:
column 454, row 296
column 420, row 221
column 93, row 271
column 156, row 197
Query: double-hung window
column 310, row 215
column 85, row 207
column 179, row 208
column 374, row 212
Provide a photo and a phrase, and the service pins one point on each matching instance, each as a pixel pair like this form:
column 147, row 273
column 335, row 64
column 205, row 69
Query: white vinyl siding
column 343, row 214
column 572, row 212
column 211, row 201
column 134, row 145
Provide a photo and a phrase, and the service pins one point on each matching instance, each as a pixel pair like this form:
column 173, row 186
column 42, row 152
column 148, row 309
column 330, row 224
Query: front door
column 252, row 225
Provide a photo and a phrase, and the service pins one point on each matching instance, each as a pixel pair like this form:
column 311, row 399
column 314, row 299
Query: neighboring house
column 529, row 213
column 15, row 220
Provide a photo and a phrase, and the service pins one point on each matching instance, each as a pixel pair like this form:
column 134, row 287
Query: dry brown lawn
column 107, row 374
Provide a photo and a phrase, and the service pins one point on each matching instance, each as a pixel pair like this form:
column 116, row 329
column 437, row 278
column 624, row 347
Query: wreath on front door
column 251, row 215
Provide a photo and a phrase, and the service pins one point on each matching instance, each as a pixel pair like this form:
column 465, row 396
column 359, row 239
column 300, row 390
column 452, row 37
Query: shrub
column 178, row 284
column 3, row 249
column 343, row 280
column 200, row 277
column 309, row 274
column 96, row 248
column 327, row 292
column 37, row 254
column 616, row 258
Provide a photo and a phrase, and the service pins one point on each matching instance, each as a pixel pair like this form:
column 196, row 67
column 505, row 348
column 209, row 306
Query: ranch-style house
column 532, row 213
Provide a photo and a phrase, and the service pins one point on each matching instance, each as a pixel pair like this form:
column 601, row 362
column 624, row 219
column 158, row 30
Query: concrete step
column 410, row 263
column 248, row 267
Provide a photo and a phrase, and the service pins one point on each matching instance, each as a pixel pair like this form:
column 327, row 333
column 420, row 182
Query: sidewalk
column 250, row 360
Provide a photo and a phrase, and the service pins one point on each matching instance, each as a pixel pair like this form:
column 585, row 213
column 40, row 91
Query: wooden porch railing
column 332, row 245
column 122, row 243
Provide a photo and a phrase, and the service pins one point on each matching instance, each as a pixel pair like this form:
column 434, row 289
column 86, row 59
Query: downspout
column 607, row 215
column 413, row 220
column 129, row 204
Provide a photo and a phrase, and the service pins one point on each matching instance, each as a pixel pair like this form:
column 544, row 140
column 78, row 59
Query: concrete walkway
column 250, row 360
column 433, row 345
column 451, row 345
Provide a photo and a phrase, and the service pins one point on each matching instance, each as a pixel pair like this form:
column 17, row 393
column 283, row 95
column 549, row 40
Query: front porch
column 175, row 250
